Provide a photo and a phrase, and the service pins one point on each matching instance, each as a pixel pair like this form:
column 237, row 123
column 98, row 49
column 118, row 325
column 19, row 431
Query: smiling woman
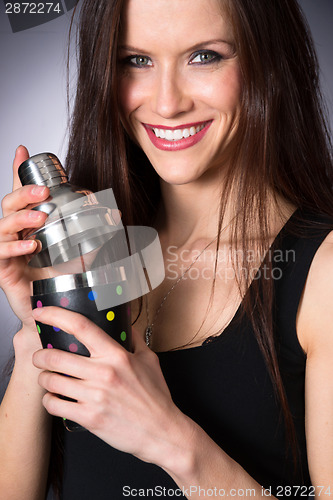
column 206, row 120
column 181, row 92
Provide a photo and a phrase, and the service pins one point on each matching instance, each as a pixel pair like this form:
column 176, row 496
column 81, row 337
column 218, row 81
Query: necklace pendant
column 148, row 334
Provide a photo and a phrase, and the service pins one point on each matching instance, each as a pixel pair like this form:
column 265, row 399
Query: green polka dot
column 119, row 290
column 64, row 419
column 123, row 336
column 38, row 329
column 110, row 316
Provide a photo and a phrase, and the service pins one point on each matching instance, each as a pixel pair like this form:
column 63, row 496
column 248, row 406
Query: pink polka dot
column 64, row 301
column 129, row 311
column 73, row 347
column 49, row 346
column 39, row 303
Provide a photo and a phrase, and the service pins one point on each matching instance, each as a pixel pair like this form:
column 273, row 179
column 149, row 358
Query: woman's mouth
column 176, row 138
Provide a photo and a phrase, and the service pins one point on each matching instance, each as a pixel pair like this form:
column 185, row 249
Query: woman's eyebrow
column 131, row 48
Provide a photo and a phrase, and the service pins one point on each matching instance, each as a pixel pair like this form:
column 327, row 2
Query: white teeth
column 178, row 134
column 169, row 135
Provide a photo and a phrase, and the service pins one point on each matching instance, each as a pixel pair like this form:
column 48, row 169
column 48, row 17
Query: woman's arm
column 315, row 332
column 209, row 472
column 24, row 424
column 25, row 427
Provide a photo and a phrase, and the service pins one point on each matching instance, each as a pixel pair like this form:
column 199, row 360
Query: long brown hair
column 282, row 145
column 282, row 141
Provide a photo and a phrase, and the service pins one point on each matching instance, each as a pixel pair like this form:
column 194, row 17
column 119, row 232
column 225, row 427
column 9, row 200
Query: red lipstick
column 178, row 145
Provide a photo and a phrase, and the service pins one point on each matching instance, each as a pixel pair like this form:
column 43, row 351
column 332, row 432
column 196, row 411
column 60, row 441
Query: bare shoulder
column 315, row 314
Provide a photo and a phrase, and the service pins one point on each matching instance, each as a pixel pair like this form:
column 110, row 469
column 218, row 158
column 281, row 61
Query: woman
column 222, row 99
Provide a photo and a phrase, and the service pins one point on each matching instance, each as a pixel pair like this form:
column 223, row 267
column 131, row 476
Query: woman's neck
column 189, row 212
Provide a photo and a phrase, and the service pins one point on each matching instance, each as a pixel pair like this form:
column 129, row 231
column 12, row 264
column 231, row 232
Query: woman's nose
column 171, row 95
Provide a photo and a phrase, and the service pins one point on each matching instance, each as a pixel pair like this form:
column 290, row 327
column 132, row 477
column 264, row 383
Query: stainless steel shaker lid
column 76, row 234
column 42, row 169
column 76, row 223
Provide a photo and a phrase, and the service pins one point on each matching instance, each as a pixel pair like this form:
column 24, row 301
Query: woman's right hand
column 15, row 274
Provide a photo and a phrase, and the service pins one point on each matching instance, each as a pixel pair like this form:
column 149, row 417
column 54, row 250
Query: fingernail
column 35, row 215
column 27, row 244
column 38, row 190
column 18, row 148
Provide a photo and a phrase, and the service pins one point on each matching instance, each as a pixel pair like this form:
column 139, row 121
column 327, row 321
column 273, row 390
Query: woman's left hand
column 122, row 397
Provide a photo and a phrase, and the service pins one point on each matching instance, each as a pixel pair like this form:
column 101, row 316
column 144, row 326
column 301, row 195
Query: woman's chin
column 179, row 178
column 179, row 173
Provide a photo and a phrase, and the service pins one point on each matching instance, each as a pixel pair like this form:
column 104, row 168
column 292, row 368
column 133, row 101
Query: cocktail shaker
column 77, row 228
column 76, row 225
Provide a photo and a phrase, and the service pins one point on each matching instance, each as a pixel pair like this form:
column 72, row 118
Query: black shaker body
column 79, row 293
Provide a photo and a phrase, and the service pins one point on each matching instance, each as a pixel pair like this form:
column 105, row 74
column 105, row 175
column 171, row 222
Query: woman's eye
column 139, row 61
column 205, row 57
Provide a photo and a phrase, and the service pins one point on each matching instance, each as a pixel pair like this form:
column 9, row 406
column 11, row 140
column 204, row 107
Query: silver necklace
column 149, row 328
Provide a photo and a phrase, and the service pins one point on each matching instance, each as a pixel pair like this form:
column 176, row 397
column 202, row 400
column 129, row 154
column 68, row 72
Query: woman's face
column 180, row 84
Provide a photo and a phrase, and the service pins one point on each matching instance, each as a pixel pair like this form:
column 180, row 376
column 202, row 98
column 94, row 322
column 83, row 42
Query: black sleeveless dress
column 225, row 387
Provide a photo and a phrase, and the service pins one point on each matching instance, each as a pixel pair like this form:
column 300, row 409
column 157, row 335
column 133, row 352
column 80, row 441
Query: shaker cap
column 43, row 169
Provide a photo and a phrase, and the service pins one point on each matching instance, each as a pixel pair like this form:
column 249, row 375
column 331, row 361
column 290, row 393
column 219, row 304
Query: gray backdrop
column 33, row 100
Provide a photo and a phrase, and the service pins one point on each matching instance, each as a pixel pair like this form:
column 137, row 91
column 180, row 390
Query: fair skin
column 31, row 424
column 113, row 386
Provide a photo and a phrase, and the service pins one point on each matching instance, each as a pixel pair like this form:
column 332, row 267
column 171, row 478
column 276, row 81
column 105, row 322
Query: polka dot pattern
column 115, row 321
column 73, row 347
column 110, row 316
column 92, row 295
column 64, row 301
